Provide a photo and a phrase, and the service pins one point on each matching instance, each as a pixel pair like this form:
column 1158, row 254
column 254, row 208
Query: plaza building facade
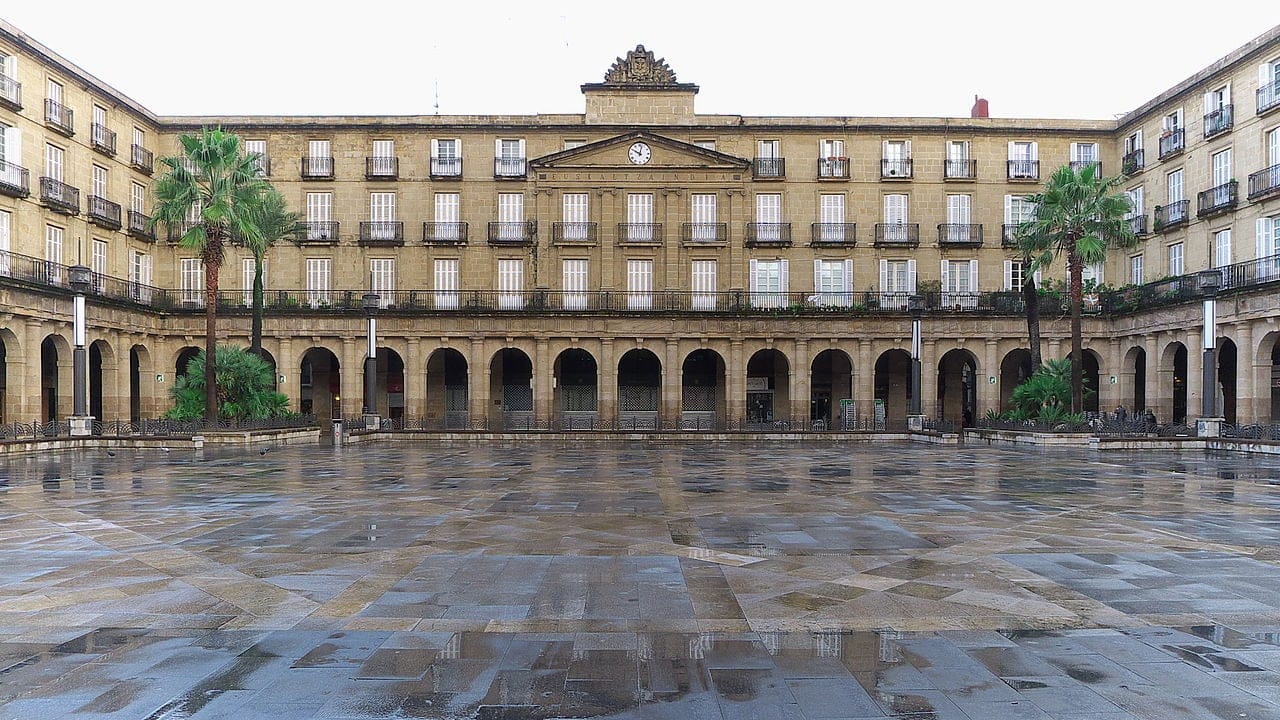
column 639, row 263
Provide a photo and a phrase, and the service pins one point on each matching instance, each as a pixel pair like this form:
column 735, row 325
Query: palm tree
column 1031, row 299
column 1079, row 217
column 213, row 182
column 274, row 221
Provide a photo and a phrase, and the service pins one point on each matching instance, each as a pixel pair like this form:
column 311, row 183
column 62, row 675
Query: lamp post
column 371, row 303
column 1208, row 283
column 81, row 278
column 915, row 419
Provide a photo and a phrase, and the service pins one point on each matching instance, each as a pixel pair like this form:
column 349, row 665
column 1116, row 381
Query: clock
column 639, row 153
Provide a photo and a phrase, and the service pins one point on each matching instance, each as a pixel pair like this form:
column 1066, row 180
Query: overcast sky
column 1083, row 59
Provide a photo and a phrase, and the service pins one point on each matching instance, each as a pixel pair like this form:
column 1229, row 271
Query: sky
column 1069, row 59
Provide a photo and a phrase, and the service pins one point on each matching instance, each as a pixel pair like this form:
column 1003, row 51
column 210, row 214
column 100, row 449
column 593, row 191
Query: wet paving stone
column 637, row 580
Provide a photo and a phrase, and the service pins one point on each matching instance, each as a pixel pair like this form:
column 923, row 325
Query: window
column 1217, row 99
column 448, row 226
column 1133, row 142
column 1172, row 122
column 1174, row 186
column 574, row 209
column 832, row 162
column 99, row 127
column 53, row 162
column 382, row 280
column 1135, row 201
column 831, row 149
column 574, row 283
column 10, row 152
column 509, row 157
column 8, row 65
column 1083, row 154
column 960, row 283
column 138, row 198
column 1222, row 248
column 1091, row 276
column 571, row 144
column 510, row 284
column 383, row 161
column 1175, row 259
column 1024, row 161
column 1135, row 269
column 139, row 276
column 319, row 272
column 1015, row 275
column 319, row 216
column 831, row 218
column 511, row 216
column 98, row 263
column 258, row 148
column 896, row 158
column 640, row 226
column 1268, row 85
column 768, row 280
column 1267, row 238
column 382, row 216
column 99, row 181
column 704, row 216
column 705, row 144
column 54, row 91
column 1018, row 209
column 248, row 268
column 446, row 157
column 639, row 284
column 769, row 217
column 6, row 219
column 1273, row 155
column 139, row 137
column 447, row 283
column 53, row 252
column 958, row 228
column 703, row 276
column 895, row 218
column 897, row 283
column 832, row 283
column 1220, row 162
column 191, row 277
column 958, row 165
column 319, row 159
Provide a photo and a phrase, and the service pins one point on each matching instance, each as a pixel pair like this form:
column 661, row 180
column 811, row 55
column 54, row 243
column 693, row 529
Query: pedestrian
column 1150, row 419
column 1121, row 414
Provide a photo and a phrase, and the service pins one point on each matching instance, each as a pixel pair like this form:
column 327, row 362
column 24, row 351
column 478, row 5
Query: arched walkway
column 768, row 389
column 1227, row 374
column 574, row 395
column 102, row 390
column 4, row 377
column 511, row 385
column 893, row 387
column 957, row 387
column 1090, row 380
column 1173, row 371
column 184, row 358
column 639, row 390
column 447, row 395
column 702, row 389
column 140, row 383
column 1015, row 368
column 830, row 381
column 55, row 378
column 320, row 383
column 1274, row 378
column 1135, row 371
column 388, row 402
column 275, row 370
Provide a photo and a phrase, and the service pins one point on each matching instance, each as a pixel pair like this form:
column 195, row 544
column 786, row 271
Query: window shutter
column 13, row 145
column 1264, row 74
column 751, row 272
column 911, row 276
column 1226, row 96
column 785, row 273
column 1264, row 241
column 946, row 274
column 1137, row 139
column 848, row 277
column 1008, row 209
column 973, row 276
column 1075, row 149
column 522, row 155
column 884, row 149
column 1011, row 149
column 1035, row 151
column 1008, row 274
column 817, row 275
column 884, row 275
column 1204, row 107
column 906, row 149
column 497, row 147
column 435, row 148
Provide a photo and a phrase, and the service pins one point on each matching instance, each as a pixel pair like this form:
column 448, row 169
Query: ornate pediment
column 641, row 70
column 664, row 154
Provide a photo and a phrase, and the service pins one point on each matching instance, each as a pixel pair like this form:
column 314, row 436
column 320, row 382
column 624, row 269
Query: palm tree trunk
column 212, row 265
column 1031, row 299
column 255, row 341
column 1076, row 270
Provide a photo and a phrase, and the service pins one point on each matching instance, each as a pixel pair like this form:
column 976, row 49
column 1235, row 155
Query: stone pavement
column 634, row 580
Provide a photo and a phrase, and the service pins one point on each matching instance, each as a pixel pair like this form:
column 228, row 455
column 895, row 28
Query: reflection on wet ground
column 640, row 581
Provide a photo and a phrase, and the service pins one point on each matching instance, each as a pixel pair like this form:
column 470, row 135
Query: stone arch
column 768, row 388
column 10, row 347
column 1227, row 374
column 1091, row 378
column 388, row 400
column 958, row 387
column 183, row 358
column 102, row 378
column 1173, row 379
column 830, row 381
column 320, row 383
column 639, row 389
column 55, row 378
column 511, row 387
column 703, row 395
column 575, row 396
column 1134, row 373
column 447, row 394
column 141, row 383
column 893, row 386
column 1014, row 369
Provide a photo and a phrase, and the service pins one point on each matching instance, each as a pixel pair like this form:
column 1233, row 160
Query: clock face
column 639, row 153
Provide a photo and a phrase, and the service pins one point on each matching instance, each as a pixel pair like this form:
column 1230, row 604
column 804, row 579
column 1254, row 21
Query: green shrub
column 245, row 388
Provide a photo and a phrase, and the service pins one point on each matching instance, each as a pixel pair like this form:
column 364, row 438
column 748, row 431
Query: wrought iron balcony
column 768, row 234
column 103, row 139
column 959, row 169
column 1132, row 162
column 1262, row 184
column 1078, row 165
column 317, row 168
column 177, row 230
column 15, row 180
column 1009, row 235
column 573, row 232
column 445, row 168
column 509, row 167
column 513, row 233
column 769, row 167
column 640, row 233
column 1138, row 225
column 843, row 234
column 1219, row 121
column 382, row 233
column 140, row 226
column 381, row 168
column 1024, row 169
column 704, row 232
column 897, row 234
column 1268, row 97
column 10, row 93
column 319, row 232
column 959, row 235
column 444, row 233
column 264, row 165
column 1173, row 215
column 1172, row 142
column 833, row 168
column 59, row 117
column 1217, row 199
column 140, row 158
column 59, row 197
column 104, row 213
column 899, row 168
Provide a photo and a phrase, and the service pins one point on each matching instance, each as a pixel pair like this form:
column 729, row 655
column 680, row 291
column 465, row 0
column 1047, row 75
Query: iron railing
column 833, row 168
column 573, row 232
column 513, row 233
column 640, row 233
column 103, row 139
column 704, row 232
column 141, row 159
column 319, row 232
column 1078, row 165
column 317, row 168
column 444, row 233
column 1217, row 199
column 1264, row 183
column 1172, row 142
column 959, row 169
column 509, row 167
column 1009, row 235
column 175, row 231
column 140, row 226
column 59, row 196
column 895, row 168
column 965, row 234
column 47, row 274
column 103, row 213
column 529, row 421
column 1168, row 217
column 381, row 168
column 897, row 234
column 768, row 234
column 15, row 180
column 59, row 117
column 1259, row 271
column 10, row 93
column 1252, row 431
column 263, row 164
column 159, row 427
column 1132, row 162
column 1219, row 121
column 443, row 168
column 1268, row 97
column 1023, row 169
column 382, row 233
column 843, row 234
column 1138, row 224
column 769, row 167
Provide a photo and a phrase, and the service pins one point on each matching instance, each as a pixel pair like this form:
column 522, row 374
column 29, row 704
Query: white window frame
column 702, row 274
column 191, row 272
column 639, row 284
column 1222, row 248
column 769, row 217
column 319, row 210
column 703, row 216
column 447, row 274
column 960, row 284
column 98, row 181
column 1023, row 158
column 1135, row 269
column 1177, row 259
column 767, row 279
column 54, row 161
column 258, row 147
column 832, row 283
column 6, row 225
column 510, row 283
column 98, row 262
column 448, row 216
column 574, row 214
column 319, row 279
column 897, row 215
column 382, row 215
column 573, row 275
column 897, row 282
column 246, row 276
column 382, row 279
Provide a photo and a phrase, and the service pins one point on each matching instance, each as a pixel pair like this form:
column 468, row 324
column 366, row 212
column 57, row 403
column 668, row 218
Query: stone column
column 989, row 393
column 288, row 366
column 672, row 377
column 928, row 377
column 736, row 384
column 415, row 378
column 607, row 384
column 1249, row 403
column 478, row 383
column 1151, row 342
column 544, row 375
column 352, row 376
column 1195, row 380
column 1055, row 349
column 801, row 379
column 864, row 386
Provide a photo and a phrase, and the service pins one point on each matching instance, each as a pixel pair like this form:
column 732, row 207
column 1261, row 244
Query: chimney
column 980, row 109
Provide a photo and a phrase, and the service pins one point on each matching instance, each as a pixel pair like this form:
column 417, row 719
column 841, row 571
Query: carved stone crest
column 640, row 68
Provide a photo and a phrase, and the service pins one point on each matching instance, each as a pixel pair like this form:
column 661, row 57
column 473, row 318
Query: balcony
column 59, row 117
column 15, row 180
column 1024, row 170
column 959, row 169
column 640, row 233
column 704, row 232
column 59, row 197
column 769, row 167
column 1268, row 97
column 140, row 159
column 177, row 230
column 103, row 139
column 317, row 168
column 1132, row 162
column 10, row 93
column 768, row 234
column 446, row 168
column 1219, row 121
column 1009, row 235
column 833, row 168
column 319, row 232
column 896, row 169
column 1172, row 142
column 382, row 233
column 263, row 165
column 959, row 235
column 1217, row 200
column 381, row 168
column 1138, row 225
column 571, row 233
column 104, row 213
column 897, row 235
column 140, row 226
column 444, row 233
column 1173, row 215
column 1078, row 165
column 833, row 234
column 1264, row 183
column 513, row 233
column 510, row 167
